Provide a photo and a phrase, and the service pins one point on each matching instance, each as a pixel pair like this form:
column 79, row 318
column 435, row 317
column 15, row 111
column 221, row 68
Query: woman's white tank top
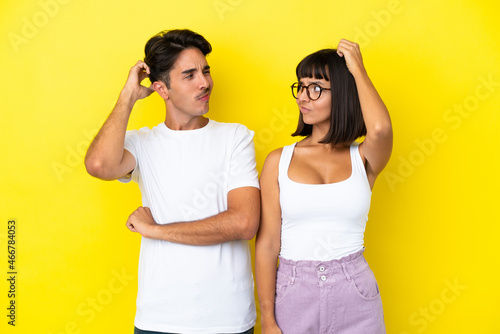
column 323, row 222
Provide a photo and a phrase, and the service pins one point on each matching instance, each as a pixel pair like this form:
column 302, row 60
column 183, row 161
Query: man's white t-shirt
column 186, row 176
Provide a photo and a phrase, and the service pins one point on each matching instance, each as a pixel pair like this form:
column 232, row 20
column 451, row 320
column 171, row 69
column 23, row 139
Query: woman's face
column 315, row 112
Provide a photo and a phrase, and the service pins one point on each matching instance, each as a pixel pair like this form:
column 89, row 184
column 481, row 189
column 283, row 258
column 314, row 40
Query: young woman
column 315, row 201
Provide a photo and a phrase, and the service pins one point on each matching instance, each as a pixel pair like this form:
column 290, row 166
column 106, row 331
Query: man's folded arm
column 239, row 222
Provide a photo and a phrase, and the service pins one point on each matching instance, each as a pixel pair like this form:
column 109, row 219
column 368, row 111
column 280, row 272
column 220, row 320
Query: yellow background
column 433, row 222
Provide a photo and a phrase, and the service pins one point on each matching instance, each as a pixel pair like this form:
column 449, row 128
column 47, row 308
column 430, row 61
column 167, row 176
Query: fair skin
column 186, row 101
column 317, row 163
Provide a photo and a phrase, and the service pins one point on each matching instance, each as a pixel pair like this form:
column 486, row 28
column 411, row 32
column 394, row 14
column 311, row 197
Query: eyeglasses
column 313, row 91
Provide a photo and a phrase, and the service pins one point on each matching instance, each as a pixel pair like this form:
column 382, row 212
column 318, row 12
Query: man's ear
column 161, row 89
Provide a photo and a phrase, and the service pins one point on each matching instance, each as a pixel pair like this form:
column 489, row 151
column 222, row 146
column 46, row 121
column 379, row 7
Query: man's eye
column 189, row 76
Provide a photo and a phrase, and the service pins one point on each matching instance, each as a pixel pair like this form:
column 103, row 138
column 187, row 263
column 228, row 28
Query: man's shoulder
column 227, row 125
column 232, row 128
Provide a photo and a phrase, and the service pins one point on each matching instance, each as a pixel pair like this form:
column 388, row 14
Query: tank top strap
column 285, row 159
column 357, row 163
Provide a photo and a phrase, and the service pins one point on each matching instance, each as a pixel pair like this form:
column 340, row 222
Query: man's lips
column 204, row 97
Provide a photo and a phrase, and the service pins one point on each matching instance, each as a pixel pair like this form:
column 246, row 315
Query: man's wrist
column 127, row 97
column 156, row 232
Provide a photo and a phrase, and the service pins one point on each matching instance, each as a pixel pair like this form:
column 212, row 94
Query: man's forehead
column 190, row 59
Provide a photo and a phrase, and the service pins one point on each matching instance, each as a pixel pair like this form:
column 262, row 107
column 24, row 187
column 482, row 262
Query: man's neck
column 185, row 123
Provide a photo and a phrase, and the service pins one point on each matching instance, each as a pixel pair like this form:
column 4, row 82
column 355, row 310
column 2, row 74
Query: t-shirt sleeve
column 242, row 168
column 131, row 144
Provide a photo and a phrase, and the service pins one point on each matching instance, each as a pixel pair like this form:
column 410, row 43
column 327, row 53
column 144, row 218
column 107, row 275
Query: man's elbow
column 249, row 227
column 93, row 166
column 96, row 168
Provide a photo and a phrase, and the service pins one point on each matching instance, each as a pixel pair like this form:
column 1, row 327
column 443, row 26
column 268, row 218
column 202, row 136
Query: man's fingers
column 142, row 65
column 143, row 218
column 130, row 226
column 140, row 69
column 129, row 223
column 143, row 210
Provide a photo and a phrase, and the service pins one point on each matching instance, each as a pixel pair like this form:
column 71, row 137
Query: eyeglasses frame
column 307, row 90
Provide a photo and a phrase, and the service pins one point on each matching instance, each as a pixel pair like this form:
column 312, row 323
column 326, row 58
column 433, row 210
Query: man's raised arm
column 106, row 157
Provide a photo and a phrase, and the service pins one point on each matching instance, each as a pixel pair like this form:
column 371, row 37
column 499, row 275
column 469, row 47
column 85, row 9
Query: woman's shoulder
column 274, row 156
column 270, row 170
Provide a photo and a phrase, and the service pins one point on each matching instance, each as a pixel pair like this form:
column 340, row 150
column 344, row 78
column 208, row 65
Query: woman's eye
column 316, row 88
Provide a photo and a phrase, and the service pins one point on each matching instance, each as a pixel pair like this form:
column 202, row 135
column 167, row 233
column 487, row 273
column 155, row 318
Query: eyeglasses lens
column 314, row 92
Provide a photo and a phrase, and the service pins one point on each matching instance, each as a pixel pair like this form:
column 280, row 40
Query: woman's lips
column 304, row 110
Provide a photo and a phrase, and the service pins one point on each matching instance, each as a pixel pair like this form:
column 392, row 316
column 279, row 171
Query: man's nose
column 203, row 81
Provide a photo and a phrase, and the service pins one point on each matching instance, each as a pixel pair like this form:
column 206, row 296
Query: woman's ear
column 161, row 89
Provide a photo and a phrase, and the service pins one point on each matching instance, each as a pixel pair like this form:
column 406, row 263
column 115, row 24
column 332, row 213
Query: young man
column 199, row 191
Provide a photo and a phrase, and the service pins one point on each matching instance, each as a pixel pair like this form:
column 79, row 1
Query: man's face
column 190, row 84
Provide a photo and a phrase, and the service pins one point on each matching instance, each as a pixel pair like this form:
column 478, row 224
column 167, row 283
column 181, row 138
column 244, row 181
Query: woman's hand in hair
column 353, row 59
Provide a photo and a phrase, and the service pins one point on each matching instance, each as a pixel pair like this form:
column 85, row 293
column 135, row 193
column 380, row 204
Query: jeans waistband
column 323, row 272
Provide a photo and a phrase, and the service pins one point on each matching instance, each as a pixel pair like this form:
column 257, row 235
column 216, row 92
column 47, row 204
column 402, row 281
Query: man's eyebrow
column 188, row 71
column 192, row 70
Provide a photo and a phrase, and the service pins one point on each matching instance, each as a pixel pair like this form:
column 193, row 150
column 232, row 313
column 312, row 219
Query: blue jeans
column 140, row 331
